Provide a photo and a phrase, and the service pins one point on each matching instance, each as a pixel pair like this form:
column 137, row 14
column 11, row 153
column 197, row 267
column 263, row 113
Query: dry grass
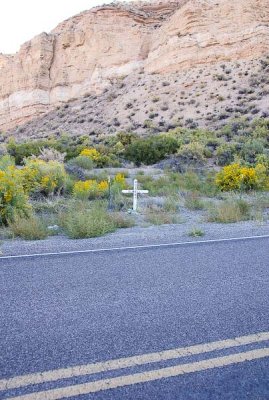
column 193, row 201
column 161, row 217
column 32, row 228
column 122, row 221
column 229, row 211
column 86, row 222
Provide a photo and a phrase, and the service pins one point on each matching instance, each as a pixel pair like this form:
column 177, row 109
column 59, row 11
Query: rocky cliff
column 85, row 53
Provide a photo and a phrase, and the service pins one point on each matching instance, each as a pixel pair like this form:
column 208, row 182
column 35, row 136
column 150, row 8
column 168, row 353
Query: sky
column 21, row 20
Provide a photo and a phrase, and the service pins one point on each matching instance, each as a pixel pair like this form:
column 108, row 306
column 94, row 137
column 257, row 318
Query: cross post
column 135, row 193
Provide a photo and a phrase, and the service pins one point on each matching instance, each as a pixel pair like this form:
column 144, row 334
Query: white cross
column 135, row 192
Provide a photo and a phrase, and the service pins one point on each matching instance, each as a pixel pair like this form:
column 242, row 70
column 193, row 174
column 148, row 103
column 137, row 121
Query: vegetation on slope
column 201, row 167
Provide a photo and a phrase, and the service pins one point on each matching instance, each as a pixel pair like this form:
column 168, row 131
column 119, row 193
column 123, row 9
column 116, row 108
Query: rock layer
column 85, row 53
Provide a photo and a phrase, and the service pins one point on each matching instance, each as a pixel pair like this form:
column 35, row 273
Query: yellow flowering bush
column 103, row 186
column 41, row 176
column 90, row 153
column 262, row 174
column 120, row 180
column 236, row 177
column 13, row 200
column 90, row 189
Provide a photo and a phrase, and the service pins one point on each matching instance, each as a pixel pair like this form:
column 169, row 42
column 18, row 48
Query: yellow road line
column 148, row 376
column 64, row 373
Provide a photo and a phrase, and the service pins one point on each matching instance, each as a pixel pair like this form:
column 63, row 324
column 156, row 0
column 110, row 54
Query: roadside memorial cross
column 135, row 191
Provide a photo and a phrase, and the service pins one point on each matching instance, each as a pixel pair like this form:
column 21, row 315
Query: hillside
column 141, row 67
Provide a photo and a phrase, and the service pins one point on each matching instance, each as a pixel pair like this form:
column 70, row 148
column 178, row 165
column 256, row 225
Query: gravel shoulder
column 137, row 236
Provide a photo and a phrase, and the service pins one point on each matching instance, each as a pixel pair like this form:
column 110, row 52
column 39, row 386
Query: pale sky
column 21, row 20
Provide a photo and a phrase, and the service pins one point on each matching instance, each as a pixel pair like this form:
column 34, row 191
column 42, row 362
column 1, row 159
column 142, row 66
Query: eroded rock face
column 83, row 54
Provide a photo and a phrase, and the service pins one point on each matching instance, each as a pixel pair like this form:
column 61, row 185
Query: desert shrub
column 159, row 187
column 118, row 183
column 81, row 222
column 171, row 204
column 6, row 161
column 49, row 154
column 262, row 176
column 192, row 154
column 118, row 149
column 13, row 200
column 122, row 221
column 20, row 151
column 126, row 138
column 225, row 154
column 173, row 182
column 44, row 177
column 83, row 162
column 29, row 228
column 236, row 177
column 263, row 159
column 189, row 181
column 102, row 157
column 72, row 146
column 193, row 201
column 90, row 189
column 120, row 180
column 229, row 211
column 69, row 184
column 193, row 182
column 91, row 153
column 150, row 150
column 251, row 149
column 260, row 128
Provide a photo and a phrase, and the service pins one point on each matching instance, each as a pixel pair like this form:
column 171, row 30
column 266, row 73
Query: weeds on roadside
column 196, row 232
column 157, row 216
column 86, row 220
column 194, row 202
column 122, row 221
column 229, row 211
column 173, row 182
column 171, row 204
column 31, row 228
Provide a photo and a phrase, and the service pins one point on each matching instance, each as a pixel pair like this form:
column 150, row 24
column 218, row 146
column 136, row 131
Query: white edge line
column 150, row 246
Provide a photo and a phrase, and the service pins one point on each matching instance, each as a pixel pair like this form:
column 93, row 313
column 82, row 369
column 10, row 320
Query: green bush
column 260, row 128
column 192, row 154
column 229, row 211
column 151, row 150
column 225, row 154
column 20, row 151
column 29, row 228
column 6, row 161
column 194, row 202
column 13, row 199
column 251, row 149
column 121, row 221
column 81, row 222
column 44, row 177
column 83, row 162
column 72, row 146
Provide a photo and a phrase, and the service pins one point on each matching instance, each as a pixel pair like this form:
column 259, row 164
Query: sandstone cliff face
column 209, row 31
column 83, row 54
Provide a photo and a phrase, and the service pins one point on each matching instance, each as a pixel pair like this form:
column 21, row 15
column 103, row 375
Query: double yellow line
column 132, row 379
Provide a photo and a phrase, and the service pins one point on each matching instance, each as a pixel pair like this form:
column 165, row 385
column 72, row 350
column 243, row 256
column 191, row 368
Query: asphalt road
column 59, row 312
